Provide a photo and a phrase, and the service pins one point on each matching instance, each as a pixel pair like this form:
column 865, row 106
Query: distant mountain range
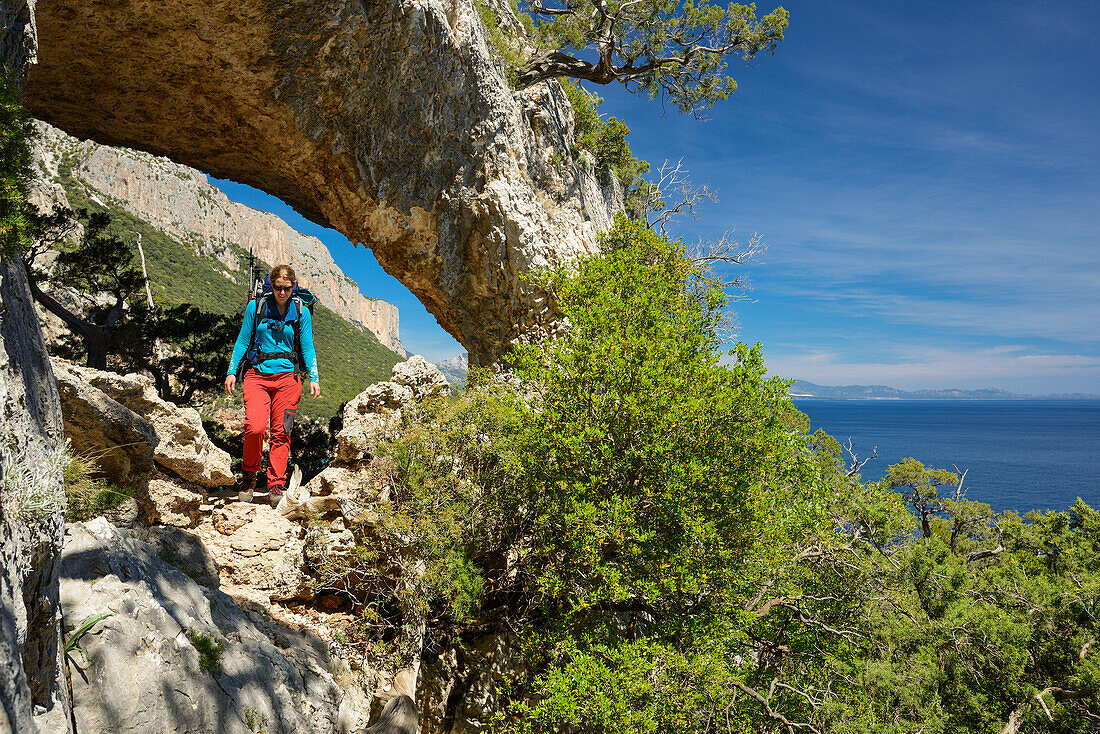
column 803, row 389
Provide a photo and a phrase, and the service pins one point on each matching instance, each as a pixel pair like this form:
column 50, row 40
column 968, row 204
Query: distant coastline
column 801, row 389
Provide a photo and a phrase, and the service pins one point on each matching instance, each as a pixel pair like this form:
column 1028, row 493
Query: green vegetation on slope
column 349, row 357
column 646, row 522
column 16, row 129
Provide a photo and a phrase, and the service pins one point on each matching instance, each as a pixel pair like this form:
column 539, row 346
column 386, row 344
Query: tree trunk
column 95, row 337
column 555, row 64
column 95, row 342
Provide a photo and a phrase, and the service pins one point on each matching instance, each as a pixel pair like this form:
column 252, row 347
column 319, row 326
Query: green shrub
column 449, row 474
column 16, row 132
column 607, row 499
column 210, row 651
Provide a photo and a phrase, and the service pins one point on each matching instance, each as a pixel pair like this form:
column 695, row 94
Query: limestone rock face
column 121, row 441
column 420, row 376
column 376, row 411
column 143, row 671
column 32, row 683
column 388, row 121
column 180, row 444
column 267, row 553
column 181, row 202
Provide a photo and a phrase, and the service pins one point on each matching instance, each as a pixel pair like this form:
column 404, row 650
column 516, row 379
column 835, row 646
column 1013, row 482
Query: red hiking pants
column 271, row 398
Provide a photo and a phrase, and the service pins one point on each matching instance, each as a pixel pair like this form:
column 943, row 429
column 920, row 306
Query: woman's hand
column 230, row 383
column 314, row 390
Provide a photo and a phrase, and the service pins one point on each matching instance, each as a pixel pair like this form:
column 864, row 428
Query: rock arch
column 384, row 119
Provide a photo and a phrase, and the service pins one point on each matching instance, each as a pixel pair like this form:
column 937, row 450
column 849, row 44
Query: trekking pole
column 251, row 275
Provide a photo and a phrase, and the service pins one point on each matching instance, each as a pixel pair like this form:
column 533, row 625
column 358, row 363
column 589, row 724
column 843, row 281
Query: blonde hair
column 283, row 271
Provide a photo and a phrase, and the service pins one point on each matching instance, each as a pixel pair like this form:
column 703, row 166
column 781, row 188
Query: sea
column 1018, row 455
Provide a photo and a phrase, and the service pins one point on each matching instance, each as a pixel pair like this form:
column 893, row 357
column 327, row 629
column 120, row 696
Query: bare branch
column 959, row 491
column 766, row 704
column 672, row 181
column 1016, row 718
column 856, row 464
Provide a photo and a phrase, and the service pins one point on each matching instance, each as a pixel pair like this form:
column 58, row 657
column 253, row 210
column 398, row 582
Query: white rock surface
column 180, row 444
column 141, row 671
column 119, row 440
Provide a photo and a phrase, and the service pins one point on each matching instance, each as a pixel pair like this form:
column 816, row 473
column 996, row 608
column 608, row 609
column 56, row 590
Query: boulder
column 181, row 446
column 267, row 554
column 154, row 664
column 375, row 413
column 339, row 480
column 120, row 441
column 420, row 376
column 363, row 429
column 170, row 501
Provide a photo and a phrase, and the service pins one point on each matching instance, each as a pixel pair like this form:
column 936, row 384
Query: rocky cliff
column 181, row 202
column 388, row 121
column 32, row 510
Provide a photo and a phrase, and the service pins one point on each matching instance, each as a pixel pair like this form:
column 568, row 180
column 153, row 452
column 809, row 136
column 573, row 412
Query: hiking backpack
column 302, row 298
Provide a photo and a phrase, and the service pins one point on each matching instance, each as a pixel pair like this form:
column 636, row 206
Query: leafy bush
column 446, row 514
column 646, row 463
column 605, row 501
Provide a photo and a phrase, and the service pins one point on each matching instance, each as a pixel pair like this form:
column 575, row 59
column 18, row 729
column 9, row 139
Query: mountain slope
column 180, row 202
column 350, row 357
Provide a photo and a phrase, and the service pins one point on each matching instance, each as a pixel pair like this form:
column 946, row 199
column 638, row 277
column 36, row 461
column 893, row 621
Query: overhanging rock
column 386, row 120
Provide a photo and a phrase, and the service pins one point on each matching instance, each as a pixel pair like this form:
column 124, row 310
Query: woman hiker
column 273, row 357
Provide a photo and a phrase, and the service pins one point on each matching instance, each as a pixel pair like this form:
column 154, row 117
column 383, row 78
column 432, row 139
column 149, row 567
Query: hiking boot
column 244, row 489
column 276, row 494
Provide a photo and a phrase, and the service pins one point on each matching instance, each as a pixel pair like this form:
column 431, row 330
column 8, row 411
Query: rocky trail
column 206, row 612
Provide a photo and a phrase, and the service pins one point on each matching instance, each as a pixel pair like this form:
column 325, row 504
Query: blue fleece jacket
column 276, row 334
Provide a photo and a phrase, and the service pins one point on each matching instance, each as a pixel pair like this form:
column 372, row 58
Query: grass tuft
column 88, row 494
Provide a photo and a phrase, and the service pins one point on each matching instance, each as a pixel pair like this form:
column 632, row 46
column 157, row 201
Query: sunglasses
column 282, row 288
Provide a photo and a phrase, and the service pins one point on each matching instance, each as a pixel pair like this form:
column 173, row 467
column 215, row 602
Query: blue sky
column 926, row 177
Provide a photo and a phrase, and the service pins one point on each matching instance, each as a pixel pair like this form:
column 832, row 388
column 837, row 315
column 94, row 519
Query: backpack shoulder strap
column 258, row 303
column 300, row 361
